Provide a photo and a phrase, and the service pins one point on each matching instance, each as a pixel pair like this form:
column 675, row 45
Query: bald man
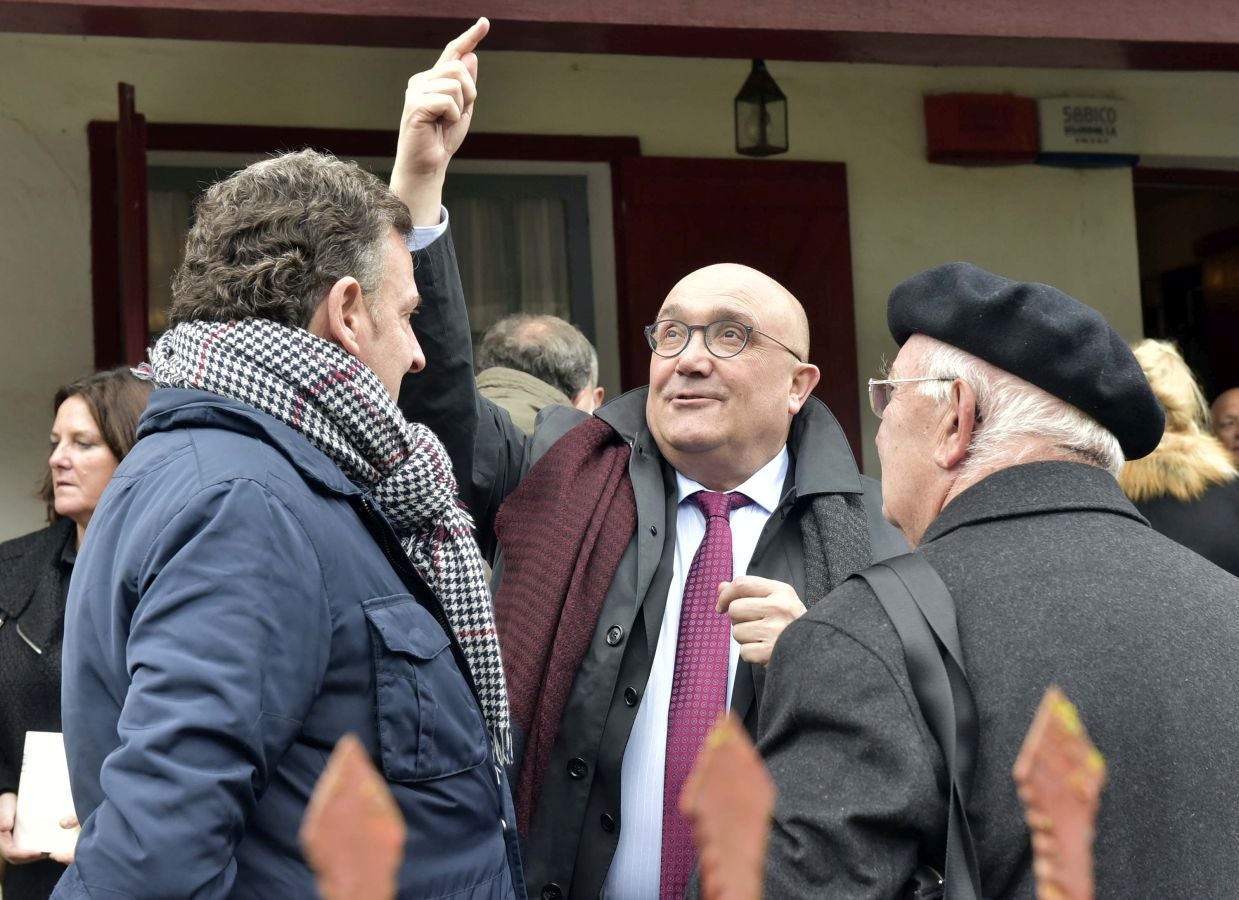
column 1225, row 414
column 621, row 641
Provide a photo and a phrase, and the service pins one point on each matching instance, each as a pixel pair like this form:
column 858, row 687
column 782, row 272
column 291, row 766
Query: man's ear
column 957, row 427
column 589, row 399
column 804, row 381
column 339, row 317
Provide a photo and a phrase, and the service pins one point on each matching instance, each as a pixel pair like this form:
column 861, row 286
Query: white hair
column 1017, row 420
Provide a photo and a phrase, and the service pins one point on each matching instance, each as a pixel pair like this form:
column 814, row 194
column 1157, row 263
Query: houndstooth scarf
column 339, row 405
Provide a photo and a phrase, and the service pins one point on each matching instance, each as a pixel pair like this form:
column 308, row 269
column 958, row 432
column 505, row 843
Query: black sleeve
column 488, row 452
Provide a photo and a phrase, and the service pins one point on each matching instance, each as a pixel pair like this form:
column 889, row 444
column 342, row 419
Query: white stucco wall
column 1072, row 228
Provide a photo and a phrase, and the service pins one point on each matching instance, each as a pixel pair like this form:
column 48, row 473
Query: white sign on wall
column 1080, row 125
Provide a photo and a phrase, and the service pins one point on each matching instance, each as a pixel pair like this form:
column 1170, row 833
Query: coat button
column 577, row 767
column 615, row 634
column 654, row 530
column 630, row 696
column 607, row 821
column 552, row 891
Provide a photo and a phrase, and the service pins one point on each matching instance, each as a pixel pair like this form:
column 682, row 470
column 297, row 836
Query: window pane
column 516, row 246
column 522, row 241
column 171, row 192
column 168, row 215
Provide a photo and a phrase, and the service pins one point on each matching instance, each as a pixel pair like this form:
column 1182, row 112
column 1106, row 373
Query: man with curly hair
column 283, row 560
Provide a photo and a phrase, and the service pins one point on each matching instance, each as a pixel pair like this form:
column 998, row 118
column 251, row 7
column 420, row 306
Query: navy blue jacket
column 237, row 607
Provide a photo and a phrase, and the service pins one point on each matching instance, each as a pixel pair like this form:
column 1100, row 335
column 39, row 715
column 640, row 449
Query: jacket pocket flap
column 404, row 626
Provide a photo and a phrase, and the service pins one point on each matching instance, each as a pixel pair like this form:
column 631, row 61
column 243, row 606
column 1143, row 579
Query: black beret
column 1040, row 334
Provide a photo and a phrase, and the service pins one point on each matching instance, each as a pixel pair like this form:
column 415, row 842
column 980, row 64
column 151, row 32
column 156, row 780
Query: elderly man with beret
column 1005, row 417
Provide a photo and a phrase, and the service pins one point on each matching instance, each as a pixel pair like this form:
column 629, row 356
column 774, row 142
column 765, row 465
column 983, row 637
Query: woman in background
column 94, row 427
column 1187, row 488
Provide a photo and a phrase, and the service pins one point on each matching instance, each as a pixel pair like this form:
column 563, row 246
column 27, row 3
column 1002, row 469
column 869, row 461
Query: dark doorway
column 1187, row 227
column 787, row 219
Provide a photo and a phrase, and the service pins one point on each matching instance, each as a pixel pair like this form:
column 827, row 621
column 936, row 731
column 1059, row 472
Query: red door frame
column 131, row 228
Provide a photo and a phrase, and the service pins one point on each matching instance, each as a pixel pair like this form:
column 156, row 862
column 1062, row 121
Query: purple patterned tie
column 699, row 686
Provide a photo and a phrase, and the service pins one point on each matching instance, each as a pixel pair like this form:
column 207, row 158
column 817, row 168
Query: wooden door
column 787, row 219
column 118, row 236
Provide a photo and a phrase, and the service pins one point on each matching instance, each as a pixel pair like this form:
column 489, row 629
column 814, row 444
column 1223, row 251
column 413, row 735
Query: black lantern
column 761, row 115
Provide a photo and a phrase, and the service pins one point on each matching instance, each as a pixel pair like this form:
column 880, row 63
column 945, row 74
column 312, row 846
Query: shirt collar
column 68, row 556
column 764, row 487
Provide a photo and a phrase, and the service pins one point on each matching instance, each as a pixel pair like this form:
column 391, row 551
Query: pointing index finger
column 466, row 43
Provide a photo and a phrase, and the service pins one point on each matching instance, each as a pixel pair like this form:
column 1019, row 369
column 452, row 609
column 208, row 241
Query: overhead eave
column 1110, row 34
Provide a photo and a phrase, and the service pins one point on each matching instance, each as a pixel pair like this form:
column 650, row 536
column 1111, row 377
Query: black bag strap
column 923, row 613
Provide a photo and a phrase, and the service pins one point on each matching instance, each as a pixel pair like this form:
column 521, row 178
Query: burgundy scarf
column 562, row 533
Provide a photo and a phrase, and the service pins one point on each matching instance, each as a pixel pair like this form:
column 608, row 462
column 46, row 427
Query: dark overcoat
column 1056, row 580
column 576, row 825
column 34, row 579
column 1209, row 524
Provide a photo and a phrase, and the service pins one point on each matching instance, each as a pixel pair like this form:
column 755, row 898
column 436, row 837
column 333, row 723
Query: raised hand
column 438, row 109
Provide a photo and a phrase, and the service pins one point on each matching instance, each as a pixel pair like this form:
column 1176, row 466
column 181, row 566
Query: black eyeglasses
column 723, row 338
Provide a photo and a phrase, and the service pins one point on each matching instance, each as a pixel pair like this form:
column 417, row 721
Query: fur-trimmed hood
column 1183, row 466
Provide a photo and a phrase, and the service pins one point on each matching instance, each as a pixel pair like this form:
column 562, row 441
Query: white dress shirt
column 422, row 236
column 637, row 866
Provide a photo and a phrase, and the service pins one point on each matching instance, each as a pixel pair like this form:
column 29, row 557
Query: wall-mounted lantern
column 761, row 115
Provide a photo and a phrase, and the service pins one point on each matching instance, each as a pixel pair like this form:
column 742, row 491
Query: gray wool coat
column 1056, row 580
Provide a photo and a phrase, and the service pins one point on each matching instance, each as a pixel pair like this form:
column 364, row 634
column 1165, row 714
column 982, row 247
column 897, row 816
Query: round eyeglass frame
column 748, row 330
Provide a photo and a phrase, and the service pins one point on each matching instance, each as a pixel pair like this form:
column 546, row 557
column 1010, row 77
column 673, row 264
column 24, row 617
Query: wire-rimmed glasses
column 880, row 390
